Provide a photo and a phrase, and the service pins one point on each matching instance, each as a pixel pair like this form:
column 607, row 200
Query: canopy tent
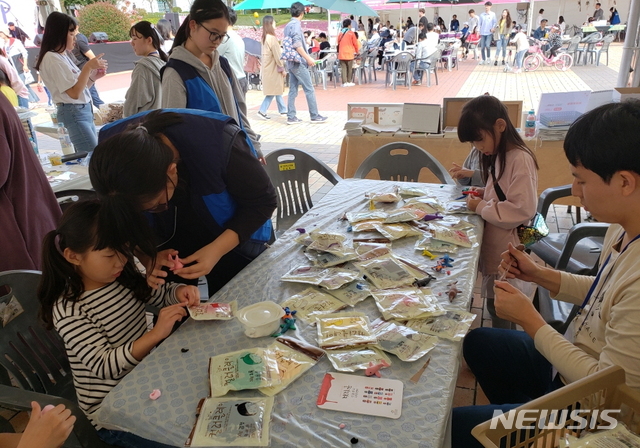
column 267, row 4
column 357, row 8
column 419, row 4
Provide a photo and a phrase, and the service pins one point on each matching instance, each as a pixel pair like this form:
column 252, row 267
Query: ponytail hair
column 201, row 11
column 128, row 170
column 147, row 29
column 79, row 231
column 481, row 114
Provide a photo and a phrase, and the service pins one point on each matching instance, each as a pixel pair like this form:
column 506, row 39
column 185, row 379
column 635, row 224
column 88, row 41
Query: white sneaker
column 352, row 84
column 346, row 84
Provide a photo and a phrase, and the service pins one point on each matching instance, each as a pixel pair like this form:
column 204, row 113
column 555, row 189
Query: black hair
column 201, row 11
column 346, row 23
column 322, row 35
column 560, row 19
column 481, row 114
column 472, row 11
column 541, row 11
column 147, row 29
column 129, row 169
column 233, row 16
column 518, row 27
column 297, row 9
column 4, row 78
column 165, row 29
column 430, row 26
column 56, row 31
column 422, row 36
column 606, row 139
column 80, row 231
column 351, row 16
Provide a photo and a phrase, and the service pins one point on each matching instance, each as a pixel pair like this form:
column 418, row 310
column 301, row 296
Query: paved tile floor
column 323, row 140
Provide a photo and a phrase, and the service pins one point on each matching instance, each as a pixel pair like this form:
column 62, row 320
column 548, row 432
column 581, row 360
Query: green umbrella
column 267, row 4
column 354, row 7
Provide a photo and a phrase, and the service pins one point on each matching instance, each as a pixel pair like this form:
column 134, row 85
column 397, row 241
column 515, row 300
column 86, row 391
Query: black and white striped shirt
column 98, row 331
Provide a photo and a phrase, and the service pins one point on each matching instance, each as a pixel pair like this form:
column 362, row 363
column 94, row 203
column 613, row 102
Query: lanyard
column 601, row 270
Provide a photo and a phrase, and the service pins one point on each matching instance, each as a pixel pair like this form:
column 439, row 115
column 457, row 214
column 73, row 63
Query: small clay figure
column 453, row 291
column 374, row 369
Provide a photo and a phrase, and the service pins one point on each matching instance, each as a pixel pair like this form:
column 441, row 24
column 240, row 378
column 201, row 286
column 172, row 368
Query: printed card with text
column 361, row 395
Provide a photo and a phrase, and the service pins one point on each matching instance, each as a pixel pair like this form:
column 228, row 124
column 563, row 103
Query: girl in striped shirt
column 94, row 296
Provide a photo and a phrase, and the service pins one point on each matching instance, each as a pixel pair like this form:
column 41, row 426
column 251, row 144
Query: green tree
column 72, row 3
column 104, row 16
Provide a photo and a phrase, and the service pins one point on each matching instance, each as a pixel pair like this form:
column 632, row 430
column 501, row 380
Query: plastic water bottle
column 65, row 140
column 530, row 125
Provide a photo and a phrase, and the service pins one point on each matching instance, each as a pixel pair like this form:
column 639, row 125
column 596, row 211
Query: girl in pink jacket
column 509, row 199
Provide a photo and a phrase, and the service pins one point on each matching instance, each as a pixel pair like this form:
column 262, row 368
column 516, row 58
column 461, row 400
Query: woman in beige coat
column 273, row 71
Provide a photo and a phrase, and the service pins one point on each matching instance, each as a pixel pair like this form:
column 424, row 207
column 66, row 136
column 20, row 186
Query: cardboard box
column 625, row 93
column 452, row 107
column 380, row 113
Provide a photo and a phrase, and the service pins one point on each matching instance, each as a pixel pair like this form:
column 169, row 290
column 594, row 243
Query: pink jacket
column 519, row 183
column 16, row 84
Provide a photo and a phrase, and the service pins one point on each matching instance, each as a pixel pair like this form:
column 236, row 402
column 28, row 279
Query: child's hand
column 472, row 202
column 479, row 191
column 458, row 172
column 188, row 294
column 155, row 278
column 49, row 429
column 167, row 317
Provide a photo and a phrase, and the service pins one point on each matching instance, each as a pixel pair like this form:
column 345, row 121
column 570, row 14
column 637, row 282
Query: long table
column 296, row 420
column 554, row 166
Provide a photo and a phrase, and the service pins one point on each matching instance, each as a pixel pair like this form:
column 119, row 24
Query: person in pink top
column 506, row 164
column 16, row 83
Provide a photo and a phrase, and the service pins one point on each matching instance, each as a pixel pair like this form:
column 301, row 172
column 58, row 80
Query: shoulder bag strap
column 501, row 196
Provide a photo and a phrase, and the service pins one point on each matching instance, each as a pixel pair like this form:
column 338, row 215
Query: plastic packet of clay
column 294, row 357
column 407, row 344
column 365, row 226
column 329, row 278
column 397, row 230
column 452, row 325
column 407, row 303
column 432, row 245
column 458, row 207
column 214, row 311
column 363, row 248
column 303, row 239
column 352, row 293
column 329, row 242
column 342, row 330
column 350, row 360
column 618, row 437
column 243, row 369
column 365, row 215
column 238, row 421
column 425, row 204
column 384, row 197
column 386, row 272
column 326, row 259
column 412, row 191
column 458, row 237
column 403, row 215
column 312, row 302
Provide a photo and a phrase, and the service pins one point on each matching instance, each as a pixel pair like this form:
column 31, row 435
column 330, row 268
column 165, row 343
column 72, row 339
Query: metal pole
column 530, row 18
column 631, row 36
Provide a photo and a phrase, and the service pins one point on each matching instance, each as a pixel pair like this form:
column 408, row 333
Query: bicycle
column 562, row 62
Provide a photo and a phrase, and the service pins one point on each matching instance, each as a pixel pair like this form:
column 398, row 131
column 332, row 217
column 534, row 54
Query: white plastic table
column 296, row 420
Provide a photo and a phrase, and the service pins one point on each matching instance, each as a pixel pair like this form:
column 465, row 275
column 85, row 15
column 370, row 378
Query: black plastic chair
column 289, row 170
column 68, row 197
column 403, row 165
column 576, row 251
column 34, row 358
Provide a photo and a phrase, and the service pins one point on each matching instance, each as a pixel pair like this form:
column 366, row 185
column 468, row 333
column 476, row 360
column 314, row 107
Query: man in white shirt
column 487, row 23
column 427, row 45
column 233, row 50
column 540, row 17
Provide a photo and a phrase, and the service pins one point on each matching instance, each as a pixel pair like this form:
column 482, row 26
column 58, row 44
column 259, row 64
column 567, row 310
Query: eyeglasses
column 163, row 206
column 215, row 37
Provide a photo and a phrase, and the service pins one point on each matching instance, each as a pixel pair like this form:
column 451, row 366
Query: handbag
column 527, row 234
column 289, row 53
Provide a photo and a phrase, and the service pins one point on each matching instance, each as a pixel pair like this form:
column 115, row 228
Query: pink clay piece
column 155, row 394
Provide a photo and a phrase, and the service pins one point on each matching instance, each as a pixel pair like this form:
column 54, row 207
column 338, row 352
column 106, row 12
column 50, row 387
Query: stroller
column 252, row 54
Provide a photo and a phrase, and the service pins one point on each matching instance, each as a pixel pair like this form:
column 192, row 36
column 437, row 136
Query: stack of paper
column 353, row 126
column 556, row 133
column 377, row 128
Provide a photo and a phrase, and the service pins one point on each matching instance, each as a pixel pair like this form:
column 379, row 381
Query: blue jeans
column 23, row 102
column 95, row 98
column 510, row 371
column 485, row 44
column 128, row 440
column 267, row 102
column 501, row 44
column 78, row 119
column 520, row 58
column 419, row 71
column 299, row 75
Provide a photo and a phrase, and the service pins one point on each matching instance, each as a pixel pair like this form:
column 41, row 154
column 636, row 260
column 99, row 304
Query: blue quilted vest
column 200, row 95
column 205, row 140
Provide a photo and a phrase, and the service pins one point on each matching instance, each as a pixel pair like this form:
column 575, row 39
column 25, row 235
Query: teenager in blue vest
column 190, row 176
column 196, row 77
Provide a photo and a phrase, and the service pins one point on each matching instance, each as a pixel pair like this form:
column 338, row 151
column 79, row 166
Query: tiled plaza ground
column 323, row 140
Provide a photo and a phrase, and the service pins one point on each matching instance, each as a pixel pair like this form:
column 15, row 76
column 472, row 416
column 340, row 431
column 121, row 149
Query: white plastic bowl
column 261, row 319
